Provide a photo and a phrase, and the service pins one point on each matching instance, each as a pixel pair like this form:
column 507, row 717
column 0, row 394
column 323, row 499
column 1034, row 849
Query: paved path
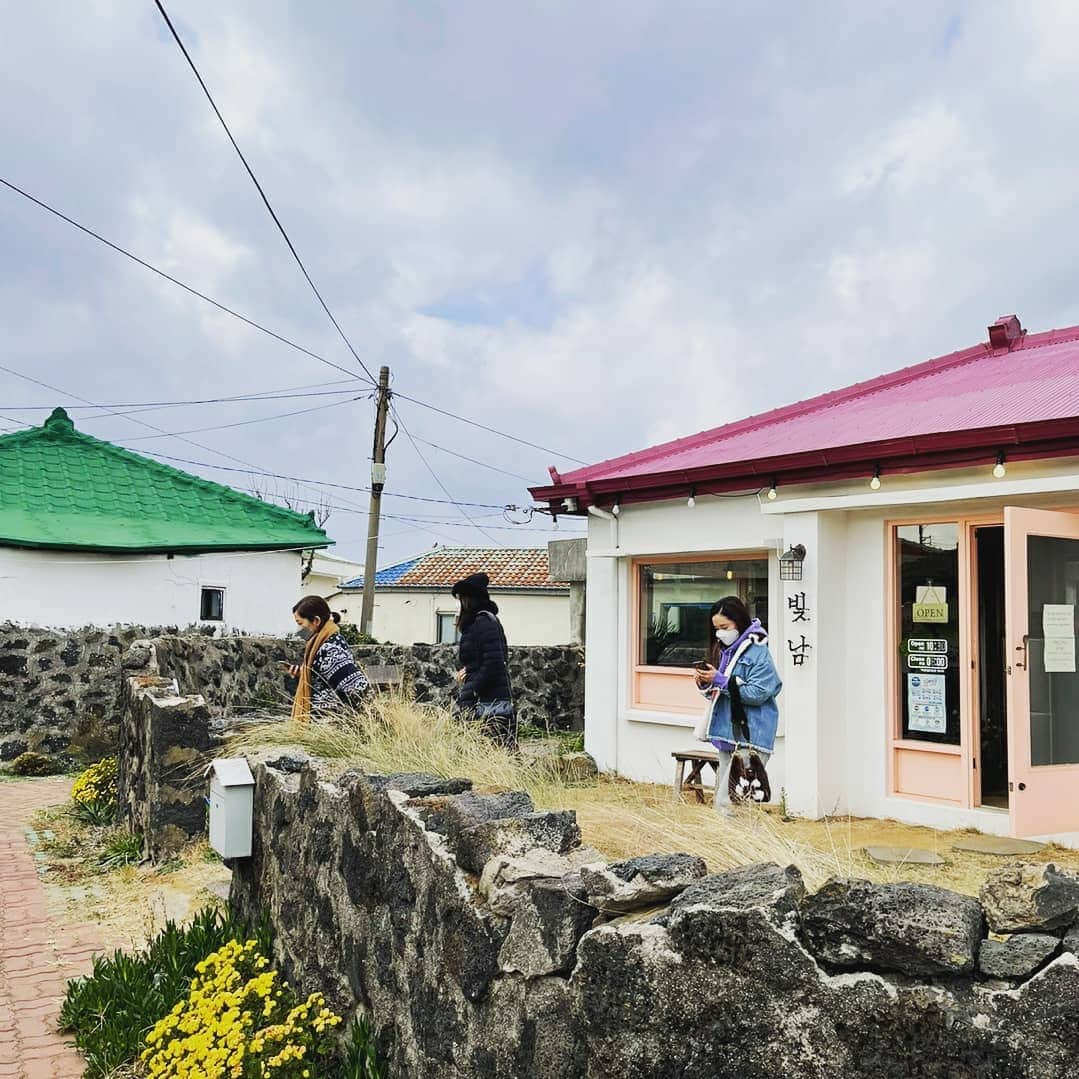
column 37, row 956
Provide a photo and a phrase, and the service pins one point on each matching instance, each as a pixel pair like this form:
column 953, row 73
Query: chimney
column 1005, row 332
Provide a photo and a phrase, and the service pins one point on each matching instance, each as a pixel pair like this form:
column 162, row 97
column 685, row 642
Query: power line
column 175, row 280
column 243, row 423
column 262, row 395
column 324, row 483
column 258, row 187
column 473, row 460
column 271, row 333
column 491, row 430
column 434, row 475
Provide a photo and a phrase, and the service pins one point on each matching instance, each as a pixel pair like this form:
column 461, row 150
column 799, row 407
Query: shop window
column 447, row 629
column 212, row 607
column 927, row 561
column 675, row 600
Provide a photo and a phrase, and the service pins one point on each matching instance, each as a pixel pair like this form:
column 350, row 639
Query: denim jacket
column 758, row 684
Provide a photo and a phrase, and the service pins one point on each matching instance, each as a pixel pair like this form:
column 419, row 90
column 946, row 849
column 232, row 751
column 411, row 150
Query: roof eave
column 915, row 453
column 189, row 549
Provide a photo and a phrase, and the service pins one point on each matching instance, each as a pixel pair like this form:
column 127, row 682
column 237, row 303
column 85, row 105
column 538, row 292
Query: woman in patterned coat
column 329, row 676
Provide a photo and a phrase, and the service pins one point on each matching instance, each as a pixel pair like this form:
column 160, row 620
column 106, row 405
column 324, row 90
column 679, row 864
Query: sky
column 593, row 226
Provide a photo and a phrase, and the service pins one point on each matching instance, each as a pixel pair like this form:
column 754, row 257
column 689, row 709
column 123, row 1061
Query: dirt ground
column 130, row 903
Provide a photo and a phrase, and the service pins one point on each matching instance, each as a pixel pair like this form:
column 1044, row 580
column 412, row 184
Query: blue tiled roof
column 387, row 576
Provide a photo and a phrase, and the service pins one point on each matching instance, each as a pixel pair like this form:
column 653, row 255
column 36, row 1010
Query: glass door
column 1041, row 598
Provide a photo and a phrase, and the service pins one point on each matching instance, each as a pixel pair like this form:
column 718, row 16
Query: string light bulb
column 692, row 500
column 998, row 469
column 874, row 483
column 730, row 573
column 616, row 509
column 772, row 493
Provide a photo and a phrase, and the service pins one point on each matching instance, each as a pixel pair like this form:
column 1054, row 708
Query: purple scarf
column 754, row 629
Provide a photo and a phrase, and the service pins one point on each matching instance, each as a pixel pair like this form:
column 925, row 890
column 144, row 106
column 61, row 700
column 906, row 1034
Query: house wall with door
column 841, row 747
column 68, row 589
column 411, row 616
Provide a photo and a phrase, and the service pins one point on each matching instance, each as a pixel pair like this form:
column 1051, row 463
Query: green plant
column 355, row 638
column 121, row 848
column 660, row 632
column 34, row 764
column 361, row 1053
column 95, row 792
column 111, row 1011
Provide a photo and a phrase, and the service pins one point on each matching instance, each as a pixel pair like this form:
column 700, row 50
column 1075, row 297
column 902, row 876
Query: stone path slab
column 997, row 844
column 37, row 957
column 903, row 856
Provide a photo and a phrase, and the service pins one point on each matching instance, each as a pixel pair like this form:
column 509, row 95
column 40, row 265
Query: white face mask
column 726, row 636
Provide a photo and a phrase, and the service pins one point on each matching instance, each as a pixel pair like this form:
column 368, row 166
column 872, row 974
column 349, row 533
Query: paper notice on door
column 1059, row 655
column 1058, row 620
column 926, row 702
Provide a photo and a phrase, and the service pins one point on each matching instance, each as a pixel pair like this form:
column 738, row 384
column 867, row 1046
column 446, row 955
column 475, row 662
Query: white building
column 91, row 534
column 928, row 648
column 327, row 573
column 413, row 604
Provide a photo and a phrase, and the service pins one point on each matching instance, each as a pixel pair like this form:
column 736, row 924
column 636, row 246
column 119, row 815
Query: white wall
column 409, row 617
column 65, row 589
column 636, row 743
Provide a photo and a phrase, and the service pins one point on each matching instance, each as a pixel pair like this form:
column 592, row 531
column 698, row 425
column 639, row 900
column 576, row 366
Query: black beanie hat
column 474, row 585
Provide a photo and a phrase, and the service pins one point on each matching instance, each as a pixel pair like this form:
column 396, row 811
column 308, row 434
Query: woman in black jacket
column 484, row 654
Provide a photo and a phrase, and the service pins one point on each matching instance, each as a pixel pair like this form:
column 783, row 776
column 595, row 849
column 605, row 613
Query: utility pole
column 378, row 481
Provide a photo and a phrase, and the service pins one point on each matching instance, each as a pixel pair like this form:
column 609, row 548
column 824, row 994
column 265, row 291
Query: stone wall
column 166, row 742
column 243, row 674
column 483, row 940
column 60, row 691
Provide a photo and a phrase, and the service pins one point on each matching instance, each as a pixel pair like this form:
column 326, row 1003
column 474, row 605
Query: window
column 212, row 608
column 675, row 598
column 447, row 629
column 927, row 561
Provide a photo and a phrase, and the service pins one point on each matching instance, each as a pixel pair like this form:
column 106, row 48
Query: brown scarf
column 301, row 706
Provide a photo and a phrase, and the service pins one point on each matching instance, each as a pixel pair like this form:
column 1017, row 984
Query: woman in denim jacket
column 739, row 654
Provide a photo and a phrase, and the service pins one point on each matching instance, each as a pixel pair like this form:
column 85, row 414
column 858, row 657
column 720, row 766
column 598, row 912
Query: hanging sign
column 926, row 703
column 930, row 603
column 927, row 644
column 927, row 663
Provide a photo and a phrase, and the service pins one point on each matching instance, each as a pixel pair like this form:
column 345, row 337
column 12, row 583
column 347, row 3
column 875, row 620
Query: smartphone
column 703, row 665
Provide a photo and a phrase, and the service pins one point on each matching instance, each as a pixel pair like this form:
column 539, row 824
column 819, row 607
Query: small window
column 447, row 629
column 676, row 598
column 213, row 605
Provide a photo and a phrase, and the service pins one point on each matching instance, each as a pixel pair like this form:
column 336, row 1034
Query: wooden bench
column 384, row 677
column 697, row 759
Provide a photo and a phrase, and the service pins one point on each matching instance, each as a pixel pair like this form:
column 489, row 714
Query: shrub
column 111, row 1011
column 240, row 1019
column 121, row 848
column 34, row 764
column 95, row 792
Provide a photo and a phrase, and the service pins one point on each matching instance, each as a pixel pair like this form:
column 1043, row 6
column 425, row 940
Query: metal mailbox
column 232, row 799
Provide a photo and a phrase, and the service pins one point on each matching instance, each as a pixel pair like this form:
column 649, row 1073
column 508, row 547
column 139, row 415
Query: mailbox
column 232, row 798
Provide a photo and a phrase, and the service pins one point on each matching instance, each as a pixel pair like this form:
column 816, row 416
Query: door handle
column 1023, row 648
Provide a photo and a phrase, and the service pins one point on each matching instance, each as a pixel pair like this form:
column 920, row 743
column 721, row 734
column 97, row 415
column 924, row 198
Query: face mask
column 726, row 636
column 305, row 634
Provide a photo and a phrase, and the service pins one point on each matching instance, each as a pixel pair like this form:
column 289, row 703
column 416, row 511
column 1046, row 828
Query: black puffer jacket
column 483, row 652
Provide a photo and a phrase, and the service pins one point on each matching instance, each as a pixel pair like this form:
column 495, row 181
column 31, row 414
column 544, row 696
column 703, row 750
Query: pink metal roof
column 1032, row 379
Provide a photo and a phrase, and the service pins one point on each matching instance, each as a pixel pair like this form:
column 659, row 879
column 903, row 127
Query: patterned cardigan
column 335, row 677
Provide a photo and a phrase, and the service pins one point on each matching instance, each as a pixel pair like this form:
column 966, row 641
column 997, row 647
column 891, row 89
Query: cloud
column 594, row 227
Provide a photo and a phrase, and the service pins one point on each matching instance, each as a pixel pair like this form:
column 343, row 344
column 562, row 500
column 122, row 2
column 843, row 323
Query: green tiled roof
column 62, row 489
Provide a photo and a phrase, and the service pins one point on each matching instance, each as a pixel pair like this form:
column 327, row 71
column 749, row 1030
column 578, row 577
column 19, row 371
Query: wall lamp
column 790, row 563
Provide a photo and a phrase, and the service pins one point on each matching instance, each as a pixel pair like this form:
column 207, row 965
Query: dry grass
column 621, row 818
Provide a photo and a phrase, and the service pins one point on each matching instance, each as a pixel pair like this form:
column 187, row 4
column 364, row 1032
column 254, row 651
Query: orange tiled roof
column 442, row 567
